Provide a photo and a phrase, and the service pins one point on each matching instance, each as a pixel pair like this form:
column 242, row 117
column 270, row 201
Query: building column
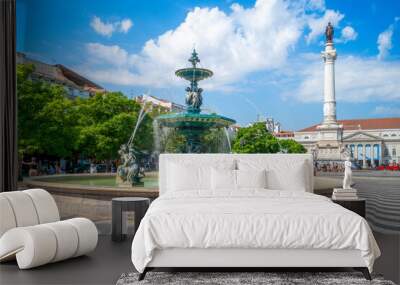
column 356, row 152
column 380, row 153
column 372, row 155
column 364, row 157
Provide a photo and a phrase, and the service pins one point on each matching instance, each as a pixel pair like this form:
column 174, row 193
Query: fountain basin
column 194, row 120
column 101, row 185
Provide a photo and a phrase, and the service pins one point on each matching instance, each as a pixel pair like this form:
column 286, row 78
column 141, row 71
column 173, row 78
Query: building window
column 393, row 135
column 386, row 152
column 393, row 152
column 385, row 135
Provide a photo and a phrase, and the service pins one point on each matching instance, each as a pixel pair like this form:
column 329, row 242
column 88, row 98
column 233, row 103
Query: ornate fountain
column 192, row 124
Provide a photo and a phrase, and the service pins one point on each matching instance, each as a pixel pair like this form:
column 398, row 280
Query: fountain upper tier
column 194, row 73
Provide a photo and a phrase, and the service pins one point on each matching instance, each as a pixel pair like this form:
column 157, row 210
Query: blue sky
column 265, row 54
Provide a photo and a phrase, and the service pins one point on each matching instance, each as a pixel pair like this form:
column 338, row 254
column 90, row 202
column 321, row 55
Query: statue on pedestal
column 329, row 33
column 348, row 174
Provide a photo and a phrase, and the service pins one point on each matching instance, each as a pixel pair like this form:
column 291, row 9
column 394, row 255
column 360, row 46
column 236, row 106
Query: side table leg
column 140, row 211
column 116, row 224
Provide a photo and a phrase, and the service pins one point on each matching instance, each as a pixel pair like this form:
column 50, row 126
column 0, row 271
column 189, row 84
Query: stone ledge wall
column 92, row 208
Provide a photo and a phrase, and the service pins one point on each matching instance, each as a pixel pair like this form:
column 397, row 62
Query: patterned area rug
column 243, row 278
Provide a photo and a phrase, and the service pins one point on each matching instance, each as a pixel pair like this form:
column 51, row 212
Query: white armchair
column 31, row 230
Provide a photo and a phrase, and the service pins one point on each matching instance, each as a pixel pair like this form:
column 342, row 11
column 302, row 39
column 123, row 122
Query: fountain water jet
column 228, row 139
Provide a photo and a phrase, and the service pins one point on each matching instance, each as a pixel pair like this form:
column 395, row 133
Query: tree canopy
column 257, row 139
column 291, row 146
column 106, row 121
column 52, row 124
column 46, row 117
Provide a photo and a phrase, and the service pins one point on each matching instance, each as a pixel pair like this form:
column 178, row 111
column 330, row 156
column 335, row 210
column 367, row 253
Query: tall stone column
column 330, row 133
column 329, row 56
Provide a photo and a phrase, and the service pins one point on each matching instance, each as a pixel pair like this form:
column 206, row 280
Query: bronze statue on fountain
column 129, row 172
column 194, row 99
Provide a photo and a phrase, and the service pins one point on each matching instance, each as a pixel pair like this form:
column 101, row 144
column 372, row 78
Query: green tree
column 51, row 124
column 106, row 121
column 46, row 117
column 255, row 139
column 291, row 146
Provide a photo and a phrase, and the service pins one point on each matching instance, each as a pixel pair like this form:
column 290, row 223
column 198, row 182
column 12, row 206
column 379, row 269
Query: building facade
column 370, row 142
column 153, row 102
column 74, row 84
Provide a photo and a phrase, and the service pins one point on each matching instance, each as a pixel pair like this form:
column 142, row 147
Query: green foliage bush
column 291, row 146
column 257, row 139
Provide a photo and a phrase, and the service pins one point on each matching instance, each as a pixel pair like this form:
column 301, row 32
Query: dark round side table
column 138, row 205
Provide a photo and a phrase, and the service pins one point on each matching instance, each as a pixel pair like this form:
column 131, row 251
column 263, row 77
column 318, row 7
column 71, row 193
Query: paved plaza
column 383, row 201
column 381, row 189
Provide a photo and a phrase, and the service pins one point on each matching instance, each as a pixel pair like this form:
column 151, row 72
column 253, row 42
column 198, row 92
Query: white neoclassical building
column 370, row 142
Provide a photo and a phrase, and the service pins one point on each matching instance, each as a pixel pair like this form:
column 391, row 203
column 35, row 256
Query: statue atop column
column 329, row 33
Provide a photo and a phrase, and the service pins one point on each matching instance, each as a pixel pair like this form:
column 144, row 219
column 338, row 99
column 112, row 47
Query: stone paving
column 383, row 201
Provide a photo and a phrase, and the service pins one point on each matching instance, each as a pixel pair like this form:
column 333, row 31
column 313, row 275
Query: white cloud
column 107, row 54
column 104, row 29
column 357, row 79
column 107, row 29
column 125, row 25
column 318, row 24
column 232, row 44
column 387, row 111
column 348, row 34
column 316, row 5
column 385, row 42
column 239, row 43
